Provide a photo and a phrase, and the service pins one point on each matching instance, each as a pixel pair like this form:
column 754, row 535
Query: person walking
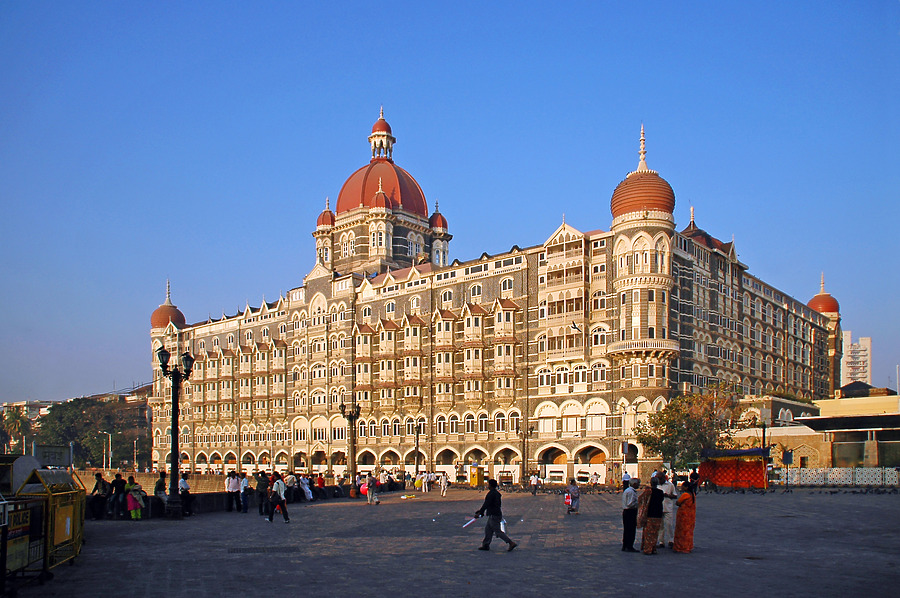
column 535, row 481
column 445, row 483
column 276, row 498
column 492, row 509
column 574, row 497
column 629, row 515
column 372, row 490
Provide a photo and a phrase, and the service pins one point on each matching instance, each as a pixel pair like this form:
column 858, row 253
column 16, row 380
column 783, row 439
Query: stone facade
column 552, row 352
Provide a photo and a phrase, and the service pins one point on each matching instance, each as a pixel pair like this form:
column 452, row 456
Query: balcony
column 644, row 345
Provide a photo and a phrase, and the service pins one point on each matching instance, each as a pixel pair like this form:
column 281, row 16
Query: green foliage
column 16, row 426
column 82, row 420
column 689, row 424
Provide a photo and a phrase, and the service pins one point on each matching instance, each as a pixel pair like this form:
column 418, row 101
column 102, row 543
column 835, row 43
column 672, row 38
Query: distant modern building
column 540, row 358
column 856, row 364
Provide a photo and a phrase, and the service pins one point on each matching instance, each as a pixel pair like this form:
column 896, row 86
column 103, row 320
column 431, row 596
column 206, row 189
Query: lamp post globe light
column 177, row 376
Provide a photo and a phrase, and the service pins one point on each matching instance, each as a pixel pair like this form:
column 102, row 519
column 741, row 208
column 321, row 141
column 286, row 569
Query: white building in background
column 856, row 364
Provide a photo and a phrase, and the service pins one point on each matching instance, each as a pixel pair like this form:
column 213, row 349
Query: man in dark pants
column 118, row 497
column 262, row 493
column 629, row 515
column 491, row 508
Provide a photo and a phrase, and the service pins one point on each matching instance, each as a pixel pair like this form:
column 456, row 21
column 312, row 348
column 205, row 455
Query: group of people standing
column 426, row 480
column 658, row 508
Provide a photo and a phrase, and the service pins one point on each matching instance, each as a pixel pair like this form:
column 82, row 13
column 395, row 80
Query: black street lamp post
column 525, row 434
column 351, row 414
column 173, row 504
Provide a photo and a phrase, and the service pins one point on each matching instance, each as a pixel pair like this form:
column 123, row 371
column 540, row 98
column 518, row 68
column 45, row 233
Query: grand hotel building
column 548, row 354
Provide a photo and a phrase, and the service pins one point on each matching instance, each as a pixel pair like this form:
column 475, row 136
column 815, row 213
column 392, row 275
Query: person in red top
column 320, row 481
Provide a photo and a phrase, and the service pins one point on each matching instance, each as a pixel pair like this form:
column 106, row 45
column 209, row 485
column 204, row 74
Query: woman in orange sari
column 685, row 519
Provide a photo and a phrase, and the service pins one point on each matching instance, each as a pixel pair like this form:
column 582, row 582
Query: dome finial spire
column 642, row 164
column 168, row 293
column 327, row 206
column 436, row 206
column 692, row 214
column 381, row 112
column 380, row 190
column 822, row 285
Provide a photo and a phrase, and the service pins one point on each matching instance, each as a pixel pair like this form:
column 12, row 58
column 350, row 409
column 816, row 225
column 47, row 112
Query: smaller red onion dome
column 382, row 126
column 437, row 219
column 824, row 302
column 166, row 313
column 326, row 218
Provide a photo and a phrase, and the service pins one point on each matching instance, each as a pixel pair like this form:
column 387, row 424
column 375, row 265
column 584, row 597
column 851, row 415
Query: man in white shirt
column 535, row 482
column 245, row 492
column 629, row 514
column 232, row 492
column 184, row 491
column 668, row 488
column 276, row 498
column 626, row 480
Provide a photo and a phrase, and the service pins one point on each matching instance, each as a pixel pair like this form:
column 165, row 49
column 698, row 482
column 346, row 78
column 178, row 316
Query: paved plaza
column 805, row 543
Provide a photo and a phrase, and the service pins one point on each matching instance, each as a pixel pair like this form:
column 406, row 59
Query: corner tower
column 643, row 226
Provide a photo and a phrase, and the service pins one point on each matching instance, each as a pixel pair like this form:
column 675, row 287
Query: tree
column 81, row 420
column 16, row 424
column 691, row 423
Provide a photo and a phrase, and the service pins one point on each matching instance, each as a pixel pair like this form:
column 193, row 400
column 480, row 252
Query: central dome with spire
column 642, row 190
column 381, row 181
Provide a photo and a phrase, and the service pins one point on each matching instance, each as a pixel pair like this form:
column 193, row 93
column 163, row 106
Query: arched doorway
column 590, row 460
column 553, row 465
column 299, row 461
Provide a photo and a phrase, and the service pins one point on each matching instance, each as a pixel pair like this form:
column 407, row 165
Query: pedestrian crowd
column 665, row 515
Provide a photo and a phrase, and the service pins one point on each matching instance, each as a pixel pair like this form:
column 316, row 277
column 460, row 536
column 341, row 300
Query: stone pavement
column 802, row 544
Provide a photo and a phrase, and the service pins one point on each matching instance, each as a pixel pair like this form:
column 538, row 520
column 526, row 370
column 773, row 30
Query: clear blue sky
column 198, row 141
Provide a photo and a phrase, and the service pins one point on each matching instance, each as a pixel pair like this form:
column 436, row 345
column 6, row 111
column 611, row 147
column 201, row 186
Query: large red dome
column 398, row 185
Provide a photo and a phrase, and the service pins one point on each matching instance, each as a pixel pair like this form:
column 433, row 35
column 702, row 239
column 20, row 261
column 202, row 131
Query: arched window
column 447, row 296
column 483, row 423
column 506, row 284
column 500, row 422
column 390, row 307
column 470, row 423
column 441, row 425
column 475, row 292
column 453, row 424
